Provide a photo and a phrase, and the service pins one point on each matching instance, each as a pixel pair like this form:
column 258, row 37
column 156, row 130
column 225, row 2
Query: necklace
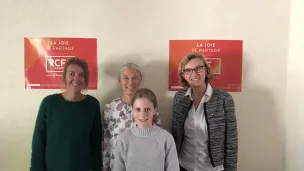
column 196, row 102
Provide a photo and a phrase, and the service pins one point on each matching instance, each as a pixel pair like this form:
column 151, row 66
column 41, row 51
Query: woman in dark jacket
column 204, row 123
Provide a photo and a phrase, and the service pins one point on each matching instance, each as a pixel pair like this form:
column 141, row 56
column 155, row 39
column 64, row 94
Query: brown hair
column 148, row 94
column 80, row 62
column 185, row 61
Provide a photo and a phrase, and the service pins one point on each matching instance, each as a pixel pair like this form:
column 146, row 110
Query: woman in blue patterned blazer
column 204, row 123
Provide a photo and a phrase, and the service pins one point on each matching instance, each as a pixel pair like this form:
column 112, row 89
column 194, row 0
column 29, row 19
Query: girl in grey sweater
column 145, row 147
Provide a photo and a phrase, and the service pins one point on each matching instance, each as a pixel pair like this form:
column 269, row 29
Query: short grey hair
column 127, row 66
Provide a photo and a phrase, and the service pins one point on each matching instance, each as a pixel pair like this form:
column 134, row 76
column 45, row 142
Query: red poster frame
column 45, row 58
column 223, row 56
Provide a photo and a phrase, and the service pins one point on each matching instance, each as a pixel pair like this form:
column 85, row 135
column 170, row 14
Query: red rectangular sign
column 223, row 56
column 45, row 58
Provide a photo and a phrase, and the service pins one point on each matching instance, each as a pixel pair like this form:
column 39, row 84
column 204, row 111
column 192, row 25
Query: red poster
column 223, row 56
column 45, row 58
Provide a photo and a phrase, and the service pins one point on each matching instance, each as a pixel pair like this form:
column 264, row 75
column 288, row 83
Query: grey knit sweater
column 146, row 149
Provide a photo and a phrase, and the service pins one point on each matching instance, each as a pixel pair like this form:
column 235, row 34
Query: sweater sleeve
column 96, row 140
column 39, row 139
column 119, row 162
column 231, row 146
column 174, row 121
column 106, row 139
column 171, row 160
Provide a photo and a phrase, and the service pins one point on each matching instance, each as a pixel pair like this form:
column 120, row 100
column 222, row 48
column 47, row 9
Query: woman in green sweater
column 68, row 126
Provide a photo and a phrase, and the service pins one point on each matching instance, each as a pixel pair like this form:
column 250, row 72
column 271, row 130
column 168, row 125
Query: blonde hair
column 148, row 94
column 185, row 61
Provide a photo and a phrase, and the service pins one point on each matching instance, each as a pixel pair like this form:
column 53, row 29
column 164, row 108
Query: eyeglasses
column 197, row 69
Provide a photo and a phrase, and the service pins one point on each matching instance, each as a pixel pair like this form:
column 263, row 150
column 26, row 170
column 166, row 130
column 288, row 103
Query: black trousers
column 181, row 168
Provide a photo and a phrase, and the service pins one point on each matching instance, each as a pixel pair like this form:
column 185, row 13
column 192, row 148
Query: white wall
column 139, row 31
column 294, row 113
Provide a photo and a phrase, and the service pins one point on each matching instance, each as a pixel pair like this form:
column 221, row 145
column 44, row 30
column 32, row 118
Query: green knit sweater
column 67, row 135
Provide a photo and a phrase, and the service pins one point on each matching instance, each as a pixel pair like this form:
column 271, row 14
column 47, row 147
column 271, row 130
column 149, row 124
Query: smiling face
column 192, row 69
column 143, row 112
column 130, row 80
column 74, row 78
column 194, row 72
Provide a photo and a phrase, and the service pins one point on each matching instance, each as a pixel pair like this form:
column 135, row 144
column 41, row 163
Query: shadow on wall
column 155, row 77
column 260, row 136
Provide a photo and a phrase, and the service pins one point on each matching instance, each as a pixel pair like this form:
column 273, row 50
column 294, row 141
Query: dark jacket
column 221, row 125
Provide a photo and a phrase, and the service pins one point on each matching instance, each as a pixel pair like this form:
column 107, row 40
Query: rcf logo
column 56, row 63
column 215, row 65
